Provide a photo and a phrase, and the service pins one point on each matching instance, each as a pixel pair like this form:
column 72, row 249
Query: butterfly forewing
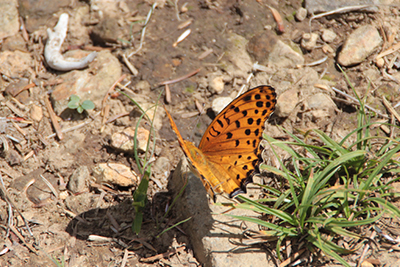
column 241, row 123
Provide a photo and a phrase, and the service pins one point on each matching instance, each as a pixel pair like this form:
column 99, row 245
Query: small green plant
column 144, row 166
column 329, row 190
column 75, row 103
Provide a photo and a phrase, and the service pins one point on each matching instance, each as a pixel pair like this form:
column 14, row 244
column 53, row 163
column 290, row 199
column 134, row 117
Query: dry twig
column 390, row 108
column 278, row 19
column 356, row 102
column 180, row 78
column 344, row 10
column 162, row 255
column 53, row 118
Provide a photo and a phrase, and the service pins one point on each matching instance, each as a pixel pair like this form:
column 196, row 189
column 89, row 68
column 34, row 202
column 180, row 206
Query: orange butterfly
column 228, row 152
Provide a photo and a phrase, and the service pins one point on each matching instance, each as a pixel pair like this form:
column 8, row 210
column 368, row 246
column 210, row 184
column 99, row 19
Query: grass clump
column 329, row 191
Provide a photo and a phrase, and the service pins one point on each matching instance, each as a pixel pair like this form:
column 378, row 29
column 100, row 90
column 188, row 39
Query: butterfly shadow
column 114, row 224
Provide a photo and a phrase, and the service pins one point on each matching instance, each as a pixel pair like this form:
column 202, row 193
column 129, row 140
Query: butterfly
column 228, row 151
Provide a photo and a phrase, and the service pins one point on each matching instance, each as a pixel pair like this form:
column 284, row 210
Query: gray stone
column 212, row 236
column 317, row 6
column 320, row 101
column 267, row 49
column 37, row 13
column 328, row 35
column 309, row 41
column 286, row 103
column 301, row 14
column 79, row 180
column 240, row 63
column 285, row 56
column 15, row 42
column 359, row 45
column 109, row 31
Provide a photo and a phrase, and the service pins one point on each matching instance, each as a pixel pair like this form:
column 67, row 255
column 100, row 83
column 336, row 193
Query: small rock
column 380, row 62
column 81, row 203
column 16, row 64
column 286, row 103
column 216, row 85
column 15, row 42
column 318, row 115
column 261, row 46
column 268, row 50
column 40, row 12
column 285, row 56
column 328, row 35
column 162, row 165
column 36, row 113
column 322, row 106
column 309, row 41
column 327, row 49
column 15, row 88
column 220, row 103
column 114, row 173
column 79, row 180
column 125, row 140
column 314, row 7
column 240, row 63
column 359, row 45
column 13, row 158
column 63, row 195
column 301, row 14
column 9, row 21
column 320, row 101
column 143, row 86
column 142, row 139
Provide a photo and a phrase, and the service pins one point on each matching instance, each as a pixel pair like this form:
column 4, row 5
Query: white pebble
column 301, row 14
column 309, row 41
column 328, row 35
column 220, row 103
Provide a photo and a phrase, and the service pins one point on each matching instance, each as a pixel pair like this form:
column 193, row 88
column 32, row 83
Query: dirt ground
column 63, row 223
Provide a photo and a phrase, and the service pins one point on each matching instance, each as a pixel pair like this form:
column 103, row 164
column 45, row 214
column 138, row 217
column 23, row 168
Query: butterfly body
column 228, row 152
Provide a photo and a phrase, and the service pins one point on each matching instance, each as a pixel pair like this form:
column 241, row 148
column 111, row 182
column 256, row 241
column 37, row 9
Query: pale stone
column 114, row 173
column 36, row 113
column 327, row 49
column 217, row 85
column 309, row 41
column 220, row 103
column 328, row 35
column 301, row 14
column 286, row 103
column 125, row 140
column 359, row 45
